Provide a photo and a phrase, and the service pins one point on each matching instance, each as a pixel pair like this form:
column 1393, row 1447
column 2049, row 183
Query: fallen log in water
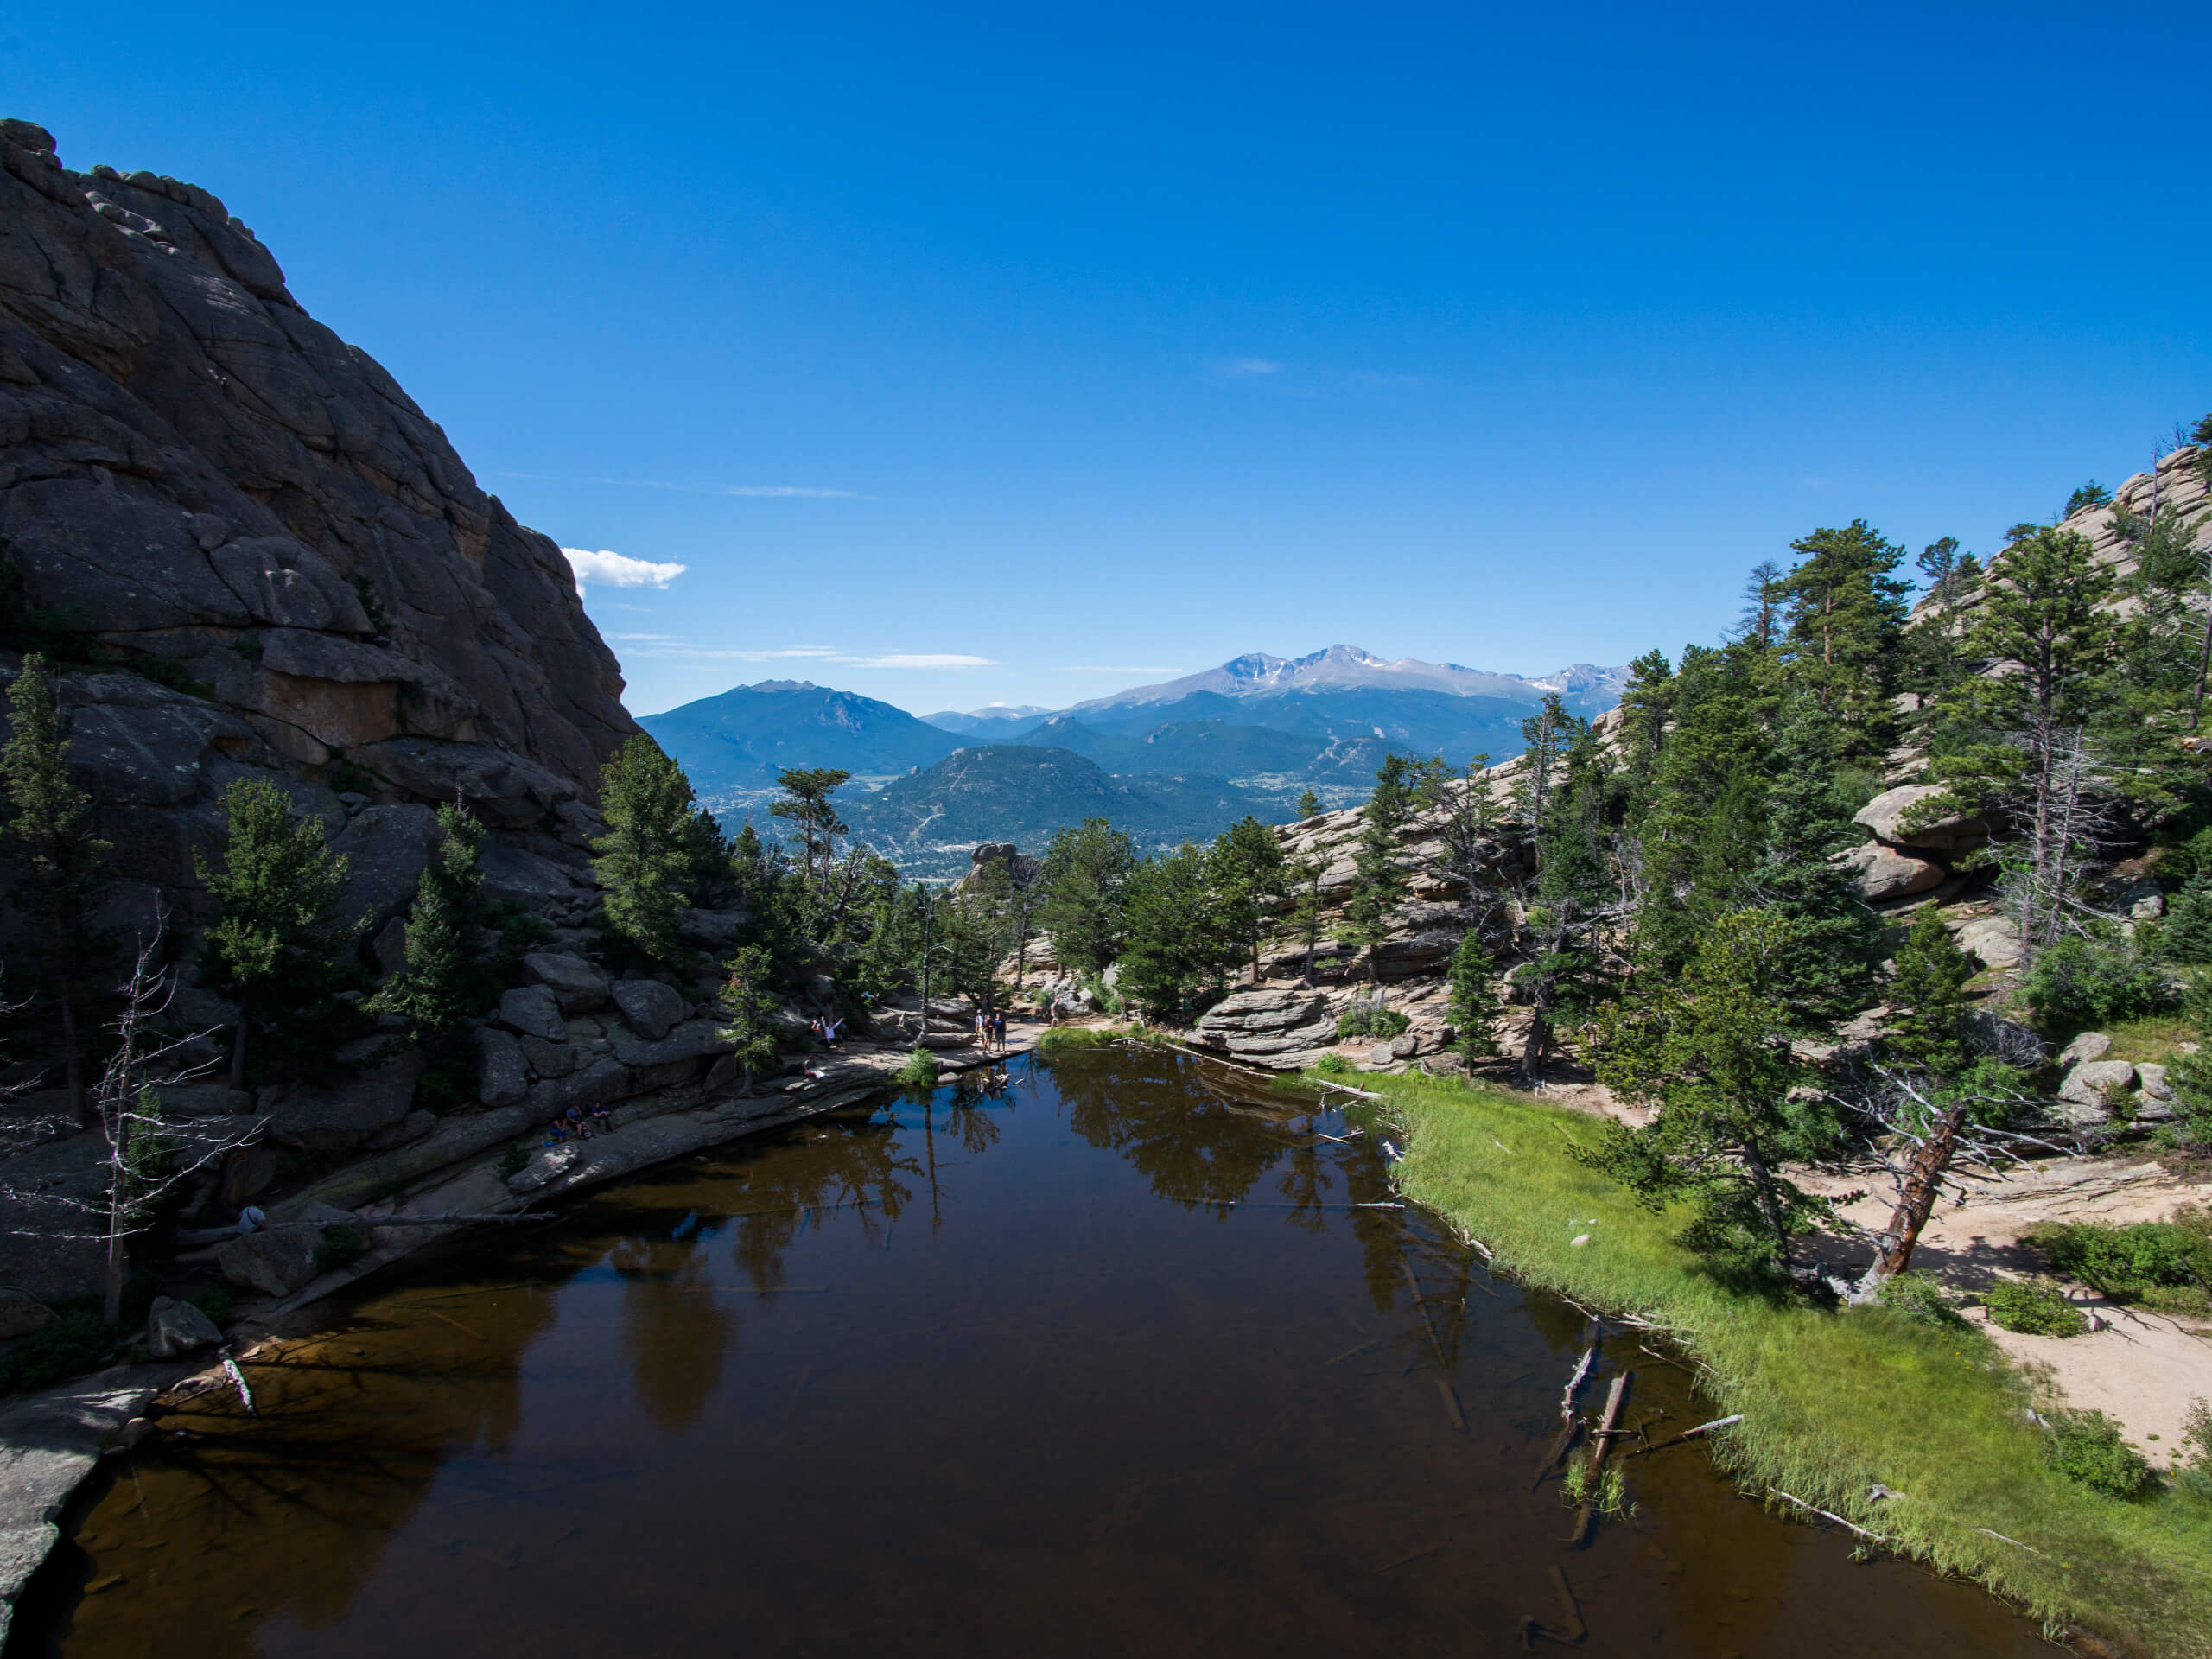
column 1607, row 1426
column 1688, row 1434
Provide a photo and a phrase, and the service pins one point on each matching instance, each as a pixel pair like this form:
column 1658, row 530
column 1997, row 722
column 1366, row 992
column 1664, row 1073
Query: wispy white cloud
column 1245, row 368
column 618, row 569
column 917, row 659
column 1114, row 668
column 777, row 489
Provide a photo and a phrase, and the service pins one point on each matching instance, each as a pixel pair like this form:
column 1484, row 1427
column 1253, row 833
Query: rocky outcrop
column 279, row 556
column 1282, row 1029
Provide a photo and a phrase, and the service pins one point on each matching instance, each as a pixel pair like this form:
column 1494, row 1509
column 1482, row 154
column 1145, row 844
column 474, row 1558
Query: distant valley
column 1180, row 760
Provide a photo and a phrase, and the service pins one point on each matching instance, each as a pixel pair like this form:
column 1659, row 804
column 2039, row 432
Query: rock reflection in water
column 1103, row 1361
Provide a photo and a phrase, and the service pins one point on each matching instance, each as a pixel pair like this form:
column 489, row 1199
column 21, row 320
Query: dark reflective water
column 999, row 1377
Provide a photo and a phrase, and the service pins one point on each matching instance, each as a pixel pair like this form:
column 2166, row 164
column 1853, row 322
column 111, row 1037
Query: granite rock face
column 286, row 564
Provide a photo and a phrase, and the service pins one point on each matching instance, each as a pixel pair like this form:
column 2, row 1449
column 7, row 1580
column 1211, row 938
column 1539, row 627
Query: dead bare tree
column 1917, row 1130
column 148, row 1159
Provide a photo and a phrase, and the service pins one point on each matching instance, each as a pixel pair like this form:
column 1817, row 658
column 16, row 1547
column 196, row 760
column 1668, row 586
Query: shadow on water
column 1105, row 1358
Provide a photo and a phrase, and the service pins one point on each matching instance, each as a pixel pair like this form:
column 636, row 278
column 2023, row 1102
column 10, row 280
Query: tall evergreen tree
column 1710, row 1053
column 1472, row 1003
column 433, row 987
column 1085, row 885
column 1176, row 951
column 747, row 1002
column 645, row 861
column 1846, row 612
column 279, row 937
column 806, row 802
column 64, row 865
column 1245, row 868
column 1379, row 883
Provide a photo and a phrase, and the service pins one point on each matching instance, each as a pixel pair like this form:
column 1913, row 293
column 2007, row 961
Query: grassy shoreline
column 1835, row 1401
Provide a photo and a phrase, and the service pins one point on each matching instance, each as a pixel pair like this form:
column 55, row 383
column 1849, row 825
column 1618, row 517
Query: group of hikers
column 991, row 1030
column 577, row 1124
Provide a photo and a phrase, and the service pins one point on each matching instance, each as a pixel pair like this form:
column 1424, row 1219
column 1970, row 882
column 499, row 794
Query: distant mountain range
column 927, row 822
column 1187, row 757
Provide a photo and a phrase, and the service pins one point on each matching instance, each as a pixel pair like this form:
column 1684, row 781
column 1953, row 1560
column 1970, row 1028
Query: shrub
column 1333, row 1066
column 919, row 1070
column 2147, row 1261
column 1369, row 1019
column 2186, row 934
column 1917, row 1297
column 2085, row 982
column 2088, row 1447
column 2035, row 1307
column 2194, row 1467
column 75, row 1343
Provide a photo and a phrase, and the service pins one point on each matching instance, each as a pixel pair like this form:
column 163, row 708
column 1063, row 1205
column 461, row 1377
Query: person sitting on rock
column 573, row 1121
column 603, row 1116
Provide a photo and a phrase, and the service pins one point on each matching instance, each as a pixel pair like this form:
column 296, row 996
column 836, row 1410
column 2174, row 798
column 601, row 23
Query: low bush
column 2090, row 981
column 2035, row 1307
column 75, row 1343
column 919, row 1070
column 1369, row 1019
column 2088, row 1447
column 2166, row 1263
column 1333, row 1066
column 1916, row 1296
column 513, row 1160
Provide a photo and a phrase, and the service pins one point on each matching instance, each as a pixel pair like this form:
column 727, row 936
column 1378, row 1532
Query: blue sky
column 973, row 353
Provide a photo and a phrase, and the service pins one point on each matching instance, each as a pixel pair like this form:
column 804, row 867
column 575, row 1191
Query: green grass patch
column 917, row 1071
column 1067, row 1039
column 1834, row 1400
column 2151, row 1038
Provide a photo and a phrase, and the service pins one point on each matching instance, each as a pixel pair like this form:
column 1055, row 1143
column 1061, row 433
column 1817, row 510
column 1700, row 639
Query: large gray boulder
column 649, row 1006
column 533, row 1011
column 385, row 848
column 502, row 1077
column 693, row 1040
column 1883, row 872
column 1994, row 940
column 2088, row 1093
column 340, row 1117
column 175, row 1328
column 276, row 1261
column 1888, row 813
column 2087, row 1045
column 576, row 984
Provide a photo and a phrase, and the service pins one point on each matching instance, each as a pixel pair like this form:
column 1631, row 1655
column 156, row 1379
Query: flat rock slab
column 48, row 1444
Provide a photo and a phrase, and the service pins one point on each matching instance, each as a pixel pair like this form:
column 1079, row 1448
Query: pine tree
column 748, row 999
column 49, row 827
column 1176, row 951
column 1085, row 881
column 433, row 985
column 1379, row 883
column 279, row 935
column 1308, row 803
column 1472, row 1004
column 645, row 860
column 1929, row 992
column 805, row 801
column 1711, row 1053
column 1846, row 615
column 1245, row 870
column 1830, row 971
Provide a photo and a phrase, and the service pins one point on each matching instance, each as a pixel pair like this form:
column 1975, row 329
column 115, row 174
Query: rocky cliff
column 258, row 553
